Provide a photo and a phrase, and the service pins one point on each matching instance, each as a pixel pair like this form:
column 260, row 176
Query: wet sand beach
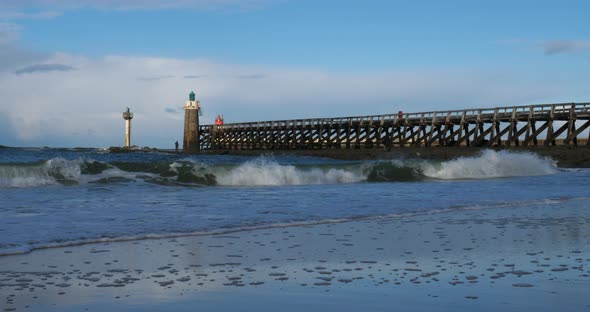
column 532, row 257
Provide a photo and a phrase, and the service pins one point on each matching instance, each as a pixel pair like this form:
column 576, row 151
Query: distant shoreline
column 565, row 156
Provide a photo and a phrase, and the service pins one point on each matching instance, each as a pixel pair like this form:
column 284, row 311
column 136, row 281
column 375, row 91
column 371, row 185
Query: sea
column 61, row 197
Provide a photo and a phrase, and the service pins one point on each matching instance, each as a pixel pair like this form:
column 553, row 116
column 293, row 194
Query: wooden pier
column 532, row 125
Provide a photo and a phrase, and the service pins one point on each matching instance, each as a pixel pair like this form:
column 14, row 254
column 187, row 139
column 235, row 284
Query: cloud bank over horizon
column 77, row 101
column 253, row 60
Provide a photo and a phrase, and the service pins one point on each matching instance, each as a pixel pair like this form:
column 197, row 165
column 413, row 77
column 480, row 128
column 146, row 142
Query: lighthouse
column 127, row 115
column 192, row 110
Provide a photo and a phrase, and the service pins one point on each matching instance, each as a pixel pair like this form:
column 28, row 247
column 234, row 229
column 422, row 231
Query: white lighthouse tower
column 127, row 115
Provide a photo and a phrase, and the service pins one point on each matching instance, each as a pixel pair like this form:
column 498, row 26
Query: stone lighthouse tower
column 192, row 110
column 127, row 115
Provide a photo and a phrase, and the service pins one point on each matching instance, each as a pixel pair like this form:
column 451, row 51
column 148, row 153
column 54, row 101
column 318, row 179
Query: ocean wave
column 14, row 249
column 267, row 171
column 491, row 164
column 50, row 172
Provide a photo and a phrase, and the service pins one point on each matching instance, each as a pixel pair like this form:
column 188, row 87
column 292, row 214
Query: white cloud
column 565, row 46
column 131, row 4
column 9, row 32
column 12, row 55
column 13, row 15
column 43, row 68
column 551, row 47
column 83, row 107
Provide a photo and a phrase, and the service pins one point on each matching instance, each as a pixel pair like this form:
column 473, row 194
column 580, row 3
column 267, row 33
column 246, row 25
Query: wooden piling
column 562, row 124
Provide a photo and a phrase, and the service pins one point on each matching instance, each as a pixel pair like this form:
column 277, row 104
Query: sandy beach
column 531, row 257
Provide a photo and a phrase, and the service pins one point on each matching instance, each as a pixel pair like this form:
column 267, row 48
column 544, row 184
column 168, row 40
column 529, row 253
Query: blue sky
column 339, row 35
column 282, row 59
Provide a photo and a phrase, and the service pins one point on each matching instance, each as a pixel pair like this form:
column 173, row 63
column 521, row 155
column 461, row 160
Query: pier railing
column 546, row 124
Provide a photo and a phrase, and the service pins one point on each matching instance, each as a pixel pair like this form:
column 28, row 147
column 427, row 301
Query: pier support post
column 571, row 137
column 508, row 126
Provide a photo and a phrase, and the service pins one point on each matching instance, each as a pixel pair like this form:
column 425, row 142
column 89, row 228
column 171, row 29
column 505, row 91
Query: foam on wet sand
column 509, row 259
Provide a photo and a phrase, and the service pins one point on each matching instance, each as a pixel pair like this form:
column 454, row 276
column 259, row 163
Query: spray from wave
column 265, row 171
column 60, row 171
column 53, row 171
column 268, row 171
column 490, row 164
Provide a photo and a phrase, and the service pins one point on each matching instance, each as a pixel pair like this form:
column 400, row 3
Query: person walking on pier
column 176, row 145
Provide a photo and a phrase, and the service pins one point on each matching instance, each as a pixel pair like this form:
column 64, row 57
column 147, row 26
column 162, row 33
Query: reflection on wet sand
column 507, row 258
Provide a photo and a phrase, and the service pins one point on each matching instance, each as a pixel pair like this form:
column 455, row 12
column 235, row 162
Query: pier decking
column 532, row 125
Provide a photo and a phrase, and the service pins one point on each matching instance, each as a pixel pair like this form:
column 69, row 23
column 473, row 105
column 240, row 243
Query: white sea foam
column 54, row 172
column 266, row 171
column 263, row 171
column 23, row 249
column 112, row 173
column 40, row 174
column 490, row 164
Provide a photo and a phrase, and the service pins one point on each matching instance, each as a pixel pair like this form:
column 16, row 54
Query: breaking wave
column 268, row 171
column 264, row 171
column 491, row 164
column 53, row 171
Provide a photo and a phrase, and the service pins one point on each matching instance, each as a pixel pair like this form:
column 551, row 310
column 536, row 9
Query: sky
column 69, row 68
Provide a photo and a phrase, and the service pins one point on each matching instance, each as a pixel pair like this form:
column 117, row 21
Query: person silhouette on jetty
column 176, row 146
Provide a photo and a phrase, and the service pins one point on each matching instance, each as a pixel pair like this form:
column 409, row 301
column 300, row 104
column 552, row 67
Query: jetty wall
column 561, row 124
